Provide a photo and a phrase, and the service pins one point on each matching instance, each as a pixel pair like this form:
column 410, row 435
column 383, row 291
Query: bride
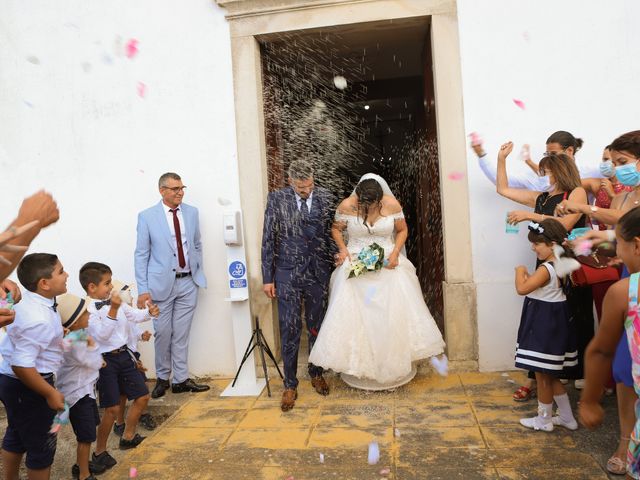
column 376, row 324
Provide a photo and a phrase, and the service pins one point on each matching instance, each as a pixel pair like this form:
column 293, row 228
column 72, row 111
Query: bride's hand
column 341, row 256
column 392, row 261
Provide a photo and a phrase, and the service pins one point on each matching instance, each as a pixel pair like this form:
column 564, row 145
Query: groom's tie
column 304, row 208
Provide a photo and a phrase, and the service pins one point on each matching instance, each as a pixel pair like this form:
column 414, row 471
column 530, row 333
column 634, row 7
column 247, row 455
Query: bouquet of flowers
column 370, row 258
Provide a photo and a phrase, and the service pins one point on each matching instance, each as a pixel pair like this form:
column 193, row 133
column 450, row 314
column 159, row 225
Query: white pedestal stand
column 247, row 383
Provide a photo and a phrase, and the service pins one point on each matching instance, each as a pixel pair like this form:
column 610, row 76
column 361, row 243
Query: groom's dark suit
column 297, row 255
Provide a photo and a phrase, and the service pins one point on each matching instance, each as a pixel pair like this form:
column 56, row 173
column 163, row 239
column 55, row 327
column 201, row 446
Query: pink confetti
column 131, row 48
column 583, row 247
column 133, row 472
column 519, row 103
column 142, row 89
column 475, row 138
column 385, row 471
column 55, row 428
column 456, row 176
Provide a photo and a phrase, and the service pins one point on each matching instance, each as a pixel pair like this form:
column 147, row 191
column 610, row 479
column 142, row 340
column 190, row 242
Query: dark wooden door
column 430, row 263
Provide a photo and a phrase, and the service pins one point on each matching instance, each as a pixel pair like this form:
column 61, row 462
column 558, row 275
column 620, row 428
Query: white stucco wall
column 574, row 65
column 73, row 123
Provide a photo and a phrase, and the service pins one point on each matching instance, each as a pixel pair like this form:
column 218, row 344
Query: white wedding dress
column 377, row 324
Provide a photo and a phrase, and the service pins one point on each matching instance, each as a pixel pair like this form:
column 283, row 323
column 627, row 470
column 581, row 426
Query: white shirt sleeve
column 589, row 171
column 28, row 343
column 83, row 355
column 135, row 315
column 528, row 181
column 101, row 327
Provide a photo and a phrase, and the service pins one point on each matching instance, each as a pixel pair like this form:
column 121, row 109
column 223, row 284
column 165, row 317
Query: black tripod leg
column 247, row 352
column 270, row 354
column 264, row 363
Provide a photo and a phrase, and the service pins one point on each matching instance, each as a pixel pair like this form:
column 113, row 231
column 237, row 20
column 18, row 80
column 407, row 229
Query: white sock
column 564, row 407
column 545, row 412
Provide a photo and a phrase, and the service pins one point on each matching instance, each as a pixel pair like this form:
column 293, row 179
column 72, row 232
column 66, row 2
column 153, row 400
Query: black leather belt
column 117, row 350
column 183, row 274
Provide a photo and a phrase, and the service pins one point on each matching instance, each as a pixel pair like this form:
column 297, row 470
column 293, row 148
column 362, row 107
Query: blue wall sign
column 240, row 283
column 237, row 270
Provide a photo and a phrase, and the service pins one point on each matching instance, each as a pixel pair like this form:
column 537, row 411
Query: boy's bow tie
column 99, row 305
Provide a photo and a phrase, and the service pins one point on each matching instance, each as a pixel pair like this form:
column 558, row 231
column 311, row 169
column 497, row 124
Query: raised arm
column 528, row 181
column 36, row 212
column 524, row 197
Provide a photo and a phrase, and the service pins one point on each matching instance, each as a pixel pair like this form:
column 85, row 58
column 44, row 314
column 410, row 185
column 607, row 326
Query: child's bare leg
column 104, row 429
column 82, row 459
column 545, row 387
column 133, row 415
column 11, row 463
column 121, row 409
column 626, row 415
column 40, row 474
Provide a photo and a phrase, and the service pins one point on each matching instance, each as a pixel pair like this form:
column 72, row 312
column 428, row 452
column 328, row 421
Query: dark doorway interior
column 382, row 122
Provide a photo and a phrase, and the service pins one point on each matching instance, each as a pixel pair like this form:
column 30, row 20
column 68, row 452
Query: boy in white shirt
column 109, row 328
column 77, row 380
column 31, row 355
column 135, row 334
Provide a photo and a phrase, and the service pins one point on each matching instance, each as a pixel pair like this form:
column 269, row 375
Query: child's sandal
column 616, row 465
column 524, row 394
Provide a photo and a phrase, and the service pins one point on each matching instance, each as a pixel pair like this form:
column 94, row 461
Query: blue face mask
column 628, row 175
column 607, row 169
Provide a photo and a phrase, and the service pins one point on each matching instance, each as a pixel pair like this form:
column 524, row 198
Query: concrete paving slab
column 463, row 426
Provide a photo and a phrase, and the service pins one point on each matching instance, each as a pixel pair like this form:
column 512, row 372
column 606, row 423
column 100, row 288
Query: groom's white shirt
column 299, row 201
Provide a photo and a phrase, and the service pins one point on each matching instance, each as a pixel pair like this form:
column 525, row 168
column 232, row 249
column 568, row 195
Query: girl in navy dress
column 546, row 336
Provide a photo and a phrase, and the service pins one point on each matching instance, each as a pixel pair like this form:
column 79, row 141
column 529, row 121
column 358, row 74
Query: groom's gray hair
column 300, row 170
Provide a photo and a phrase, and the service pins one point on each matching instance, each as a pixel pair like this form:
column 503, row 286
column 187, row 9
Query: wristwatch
column 593, row 209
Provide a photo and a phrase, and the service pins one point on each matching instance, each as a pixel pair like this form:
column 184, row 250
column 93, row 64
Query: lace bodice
column 358, row 236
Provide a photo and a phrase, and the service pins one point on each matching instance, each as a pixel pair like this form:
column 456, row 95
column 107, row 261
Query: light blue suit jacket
column 155, row 259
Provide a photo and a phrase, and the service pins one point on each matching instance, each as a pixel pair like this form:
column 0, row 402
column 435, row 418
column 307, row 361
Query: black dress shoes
column 133, row 443
column 188, row 386
column 161, row 387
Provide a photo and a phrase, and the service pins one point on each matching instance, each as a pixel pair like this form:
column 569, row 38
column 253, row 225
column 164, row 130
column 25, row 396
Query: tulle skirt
column 376, row 325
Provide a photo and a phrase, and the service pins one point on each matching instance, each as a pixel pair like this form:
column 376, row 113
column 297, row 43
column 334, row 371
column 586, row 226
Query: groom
column 297, row 259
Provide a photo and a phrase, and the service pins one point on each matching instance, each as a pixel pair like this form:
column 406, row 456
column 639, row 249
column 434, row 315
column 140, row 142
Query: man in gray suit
column 168, row 265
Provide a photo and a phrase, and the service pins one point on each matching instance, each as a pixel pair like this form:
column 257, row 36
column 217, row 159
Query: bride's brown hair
column 369, row 192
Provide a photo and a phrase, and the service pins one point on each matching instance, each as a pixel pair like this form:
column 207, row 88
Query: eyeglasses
column 176, row 189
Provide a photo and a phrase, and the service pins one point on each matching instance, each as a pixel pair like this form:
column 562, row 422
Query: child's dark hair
column 566, row 140
column 35, row 267
column 92, row 272
column 550, row 230
column 369, row 193
column 629, row 225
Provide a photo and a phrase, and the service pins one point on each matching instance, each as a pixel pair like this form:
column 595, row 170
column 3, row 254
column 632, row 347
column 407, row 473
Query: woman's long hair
column 369, row 192
column 563, row 169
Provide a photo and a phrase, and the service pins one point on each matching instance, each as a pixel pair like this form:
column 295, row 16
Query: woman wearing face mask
column 604, row 189
column 561, row 173
column 625, row 155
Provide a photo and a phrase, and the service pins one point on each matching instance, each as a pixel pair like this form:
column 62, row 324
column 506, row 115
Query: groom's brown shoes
column 288, row 399
column 320, row 384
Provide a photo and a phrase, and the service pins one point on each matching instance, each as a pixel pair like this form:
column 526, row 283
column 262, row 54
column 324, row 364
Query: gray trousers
column 172, row 329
